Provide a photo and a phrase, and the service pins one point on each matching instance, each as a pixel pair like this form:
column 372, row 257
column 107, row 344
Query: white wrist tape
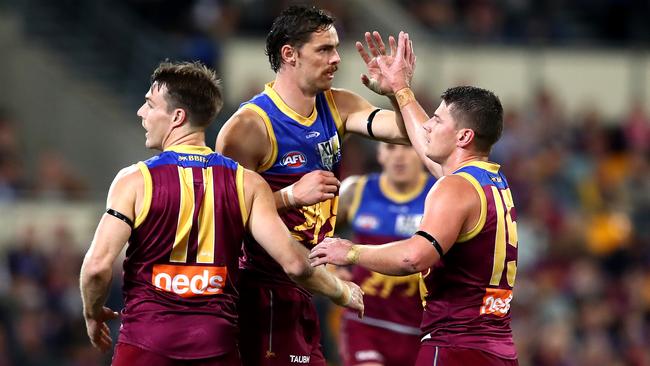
column 342, row 296
column 288, row 191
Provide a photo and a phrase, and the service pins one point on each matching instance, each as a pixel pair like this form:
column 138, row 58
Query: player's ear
column 179, row 116
column 464, row 137
column 289, row 54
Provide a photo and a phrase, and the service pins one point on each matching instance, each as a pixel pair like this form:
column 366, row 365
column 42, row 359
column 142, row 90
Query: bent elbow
column 298, row 270
column 414, row 262
column 92, row 271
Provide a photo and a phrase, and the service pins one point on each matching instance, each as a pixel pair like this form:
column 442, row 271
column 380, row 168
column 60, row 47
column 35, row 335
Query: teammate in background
column 291, row 133
column 466, row 245
column 382, row 208
column 184, row 213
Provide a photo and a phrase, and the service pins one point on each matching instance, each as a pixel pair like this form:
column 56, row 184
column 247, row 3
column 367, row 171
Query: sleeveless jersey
column 181, row 266
column 470, row 289
column 299, row 146
column 380, row 215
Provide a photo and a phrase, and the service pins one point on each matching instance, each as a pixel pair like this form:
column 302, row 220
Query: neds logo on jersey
column 293, row 159
column 189, row 281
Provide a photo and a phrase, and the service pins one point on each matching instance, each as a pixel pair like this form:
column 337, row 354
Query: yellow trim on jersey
column 423, row 288
column 335, row 112
column 499, row 239
column 185, row 215
column 399, row 197
column 268, row 163
column 205, row 253
column 190, row 149
column 489, row 166
column 282, row 106
column 481, row 220
column 148, row 192
column 356, row 197
column 512, row 273
column 239, row 181
column 332, row 218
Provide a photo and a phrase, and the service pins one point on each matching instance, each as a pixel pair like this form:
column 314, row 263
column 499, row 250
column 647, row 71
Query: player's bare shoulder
column 129, row 177
column 127, row 189
column 349, row 185
column 255, row 188
column 453, row 193
column 348, row 102
column 347, row 194
column 244, row 138
column 454, row 187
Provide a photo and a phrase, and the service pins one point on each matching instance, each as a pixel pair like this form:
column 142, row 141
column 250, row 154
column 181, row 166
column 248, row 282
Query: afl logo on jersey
column 366, row 222
column 293, row 159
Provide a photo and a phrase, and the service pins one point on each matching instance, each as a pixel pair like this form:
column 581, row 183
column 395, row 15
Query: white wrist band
column 284, row 201
column 289, row 192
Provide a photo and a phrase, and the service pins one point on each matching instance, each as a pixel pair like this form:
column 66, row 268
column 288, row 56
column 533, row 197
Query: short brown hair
column 479, row 110
column 294, row 26
column 193, row 87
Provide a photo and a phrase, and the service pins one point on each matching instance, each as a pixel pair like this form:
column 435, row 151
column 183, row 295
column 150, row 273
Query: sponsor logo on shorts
column 293, row 159
column 299, row 358
column 189, row 281
column 368, row 355
column 312, row 134
column 496, row 301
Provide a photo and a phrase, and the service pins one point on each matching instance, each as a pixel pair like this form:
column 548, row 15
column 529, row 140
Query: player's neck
column 455, row 161
column 293, row 96
column 194, row 138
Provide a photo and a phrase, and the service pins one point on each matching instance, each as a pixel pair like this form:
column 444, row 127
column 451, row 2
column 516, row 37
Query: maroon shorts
column 129, row 355
column 362, row 343
column 279, row 326
column 453, row 356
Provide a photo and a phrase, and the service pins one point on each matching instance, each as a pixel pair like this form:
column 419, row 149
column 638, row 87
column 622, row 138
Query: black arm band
column 433, row 241
column 118, row 215
column 371, row 116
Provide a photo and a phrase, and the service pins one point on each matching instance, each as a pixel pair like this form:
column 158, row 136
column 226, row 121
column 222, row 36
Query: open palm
column 374, row 79
column 397, row 70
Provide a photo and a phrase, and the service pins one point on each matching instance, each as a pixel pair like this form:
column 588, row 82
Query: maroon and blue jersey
column 470, row 289
column 181, row 266
column 299, row 145
column 381, row 215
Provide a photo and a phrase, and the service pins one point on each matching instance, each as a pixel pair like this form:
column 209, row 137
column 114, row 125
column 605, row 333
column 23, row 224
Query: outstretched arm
column 268, row 229
column 388, row 126
column 397, row 73
column 449, row 210
column 109, row 240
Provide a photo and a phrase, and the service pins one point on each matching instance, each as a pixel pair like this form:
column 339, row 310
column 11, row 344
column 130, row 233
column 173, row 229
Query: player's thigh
column 279, row 326
column 453, row 356
column 229, row 359
column 363, row 344
column 127, row 355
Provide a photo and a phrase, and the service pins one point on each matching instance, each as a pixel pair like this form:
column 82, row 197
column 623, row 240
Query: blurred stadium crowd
column 581, row 185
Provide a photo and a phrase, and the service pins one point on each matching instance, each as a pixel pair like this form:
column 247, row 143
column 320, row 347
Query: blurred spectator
column 57, row 179
column 582, row 188
column 636, row 126
column 12, row 184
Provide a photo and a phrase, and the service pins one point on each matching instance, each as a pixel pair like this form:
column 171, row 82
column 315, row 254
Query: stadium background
column 574, row 78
